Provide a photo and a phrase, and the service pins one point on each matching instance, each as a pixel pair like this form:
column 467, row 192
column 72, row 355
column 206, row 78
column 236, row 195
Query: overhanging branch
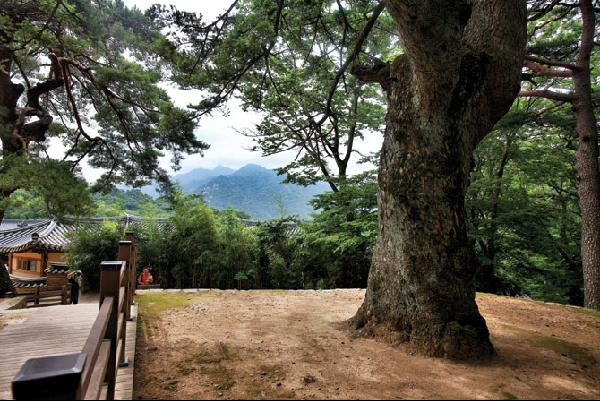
column 543, row 70
column 376, row 72
column 552, row 63
column 549, row 94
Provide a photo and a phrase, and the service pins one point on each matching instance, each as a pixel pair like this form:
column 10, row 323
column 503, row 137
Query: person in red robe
column 145, row 278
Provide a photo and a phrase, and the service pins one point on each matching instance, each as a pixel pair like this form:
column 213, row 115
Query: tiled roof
column 19, row 282
column 57, row 268
column 9, row 224
column 54, row 236
column 47, row 234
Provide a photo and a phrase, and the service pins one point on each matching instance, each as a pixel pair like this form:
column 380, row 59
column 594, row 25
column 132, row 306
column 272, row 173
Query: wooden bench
column 148, row 287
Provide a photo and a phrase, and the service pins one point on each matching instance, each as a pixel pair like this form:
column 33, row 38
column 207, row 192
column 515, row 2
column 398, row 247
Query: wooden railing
column 40, row 293
column 91, row 374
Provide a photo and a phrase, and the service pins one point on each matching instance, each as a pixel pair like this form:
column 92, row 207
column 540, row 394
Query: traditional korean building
column 33, row 248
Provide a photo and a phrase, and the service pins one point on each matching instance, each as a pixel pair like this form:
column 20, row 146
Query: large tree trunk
column 588, row 169
column 9, row 96
column 460, row 74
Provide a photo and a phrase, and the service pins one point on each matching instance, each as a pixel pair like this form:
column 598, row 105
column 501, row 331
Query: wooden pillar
column 125, row 254
column 110, row 277
column 131, row 236
column 125, row 248
column 44, row 264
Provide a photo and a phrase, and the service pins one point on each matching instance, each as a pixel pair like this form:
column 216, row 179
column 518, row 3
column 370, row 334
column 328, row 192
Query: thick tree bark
column 460, row 74
column 15, row 131
column 9, row 96
column 587, row 166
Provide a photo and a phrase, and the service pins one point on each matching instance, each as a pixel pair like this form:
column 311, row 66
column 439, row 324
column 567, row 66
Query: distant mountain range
column 253, row 189
column 191, row 181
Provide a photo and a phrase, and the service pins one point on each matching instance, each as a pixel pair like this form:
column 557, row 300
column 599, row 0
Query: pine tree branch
column 545, row 10
column 352, row 57
column 544, row 61
column 543, row 70
column 548, row 94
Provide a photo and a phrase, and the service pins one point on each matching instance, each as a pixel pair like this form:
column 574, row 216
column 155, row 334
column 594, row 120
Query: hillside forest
column 526, row 234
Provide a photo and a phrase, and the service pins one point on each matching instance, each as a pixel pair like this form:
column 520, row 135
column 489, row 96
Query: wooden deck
column 124, row 387
column 56, row 330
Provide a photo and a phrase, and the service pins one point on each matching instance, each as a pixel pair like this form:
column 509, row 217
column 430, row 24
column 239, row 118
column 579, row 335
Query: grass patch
column 504, row 395
column 558, row 345
column 185, row 369
column 203, row 357
column 170, row 386
column 561, row 347
column 485, row 295
column 151, row 306
column 267, row 384
column 219, row 376
column 272, row 372
column 209, row 363
column 508, row 396
column 225, row 352
column 590, row 312
column 313, row 343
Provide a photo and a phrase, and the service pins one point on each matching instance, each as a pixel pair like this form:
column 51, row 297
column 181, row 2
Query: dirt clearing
column 292, row 344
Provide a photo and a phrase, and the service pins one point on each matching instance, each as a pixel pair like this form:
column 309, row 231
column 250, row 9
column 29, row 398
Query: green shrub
column 89, row 248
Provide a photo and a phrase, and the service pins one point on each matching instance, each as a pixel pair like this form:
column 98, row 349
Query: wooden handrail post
column 50, row 378
column 125, row 253
column 125, row 248
column 110, row 280
column 131, row 236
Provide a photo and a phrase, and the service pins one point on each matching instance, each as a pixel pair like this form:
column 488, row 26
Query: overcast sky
column 227, row 146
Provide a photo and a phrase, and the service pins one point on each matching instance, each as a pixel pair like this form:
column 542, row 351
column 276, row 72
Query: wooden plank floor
column 124, row 387
column 52, row 330
column 56, row 330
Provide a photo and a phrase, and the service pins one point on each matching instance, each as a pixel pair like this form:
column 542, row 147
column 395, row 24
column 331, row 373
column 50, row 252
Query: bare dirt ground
column 271, row 345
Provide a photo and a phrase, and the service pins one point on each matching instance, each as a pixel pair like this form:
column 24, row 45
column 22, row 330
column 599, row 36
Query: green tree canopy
column 86, row 74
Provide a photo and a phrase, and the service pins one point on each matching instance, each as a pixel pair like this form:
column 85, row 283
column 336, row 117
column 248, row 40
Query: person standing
column 75, row 281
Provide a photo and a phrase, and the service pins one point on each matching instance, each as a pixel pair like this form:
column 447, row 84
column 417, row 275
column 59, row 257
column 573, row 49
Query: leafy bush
column 89, row 248
column 153, row 251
